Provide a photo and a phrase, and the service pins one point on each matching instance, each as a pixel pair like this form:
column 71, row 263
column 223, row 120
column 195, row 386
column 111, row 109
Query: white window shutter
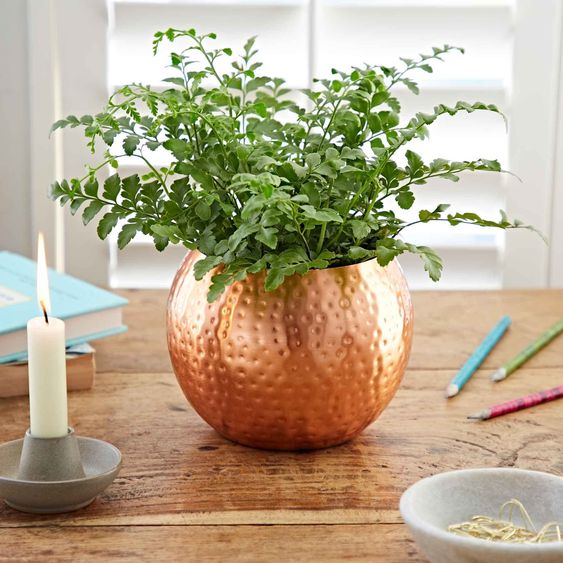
column 338, row 33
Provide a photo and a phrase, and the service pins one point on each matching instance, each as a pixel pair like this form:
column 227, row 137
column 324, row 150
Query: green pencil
column 531, row 350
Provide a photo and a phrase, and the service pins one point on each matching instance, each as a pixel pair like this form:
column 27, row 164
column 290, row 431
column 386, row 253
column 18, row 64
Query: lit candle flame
column 43, row 296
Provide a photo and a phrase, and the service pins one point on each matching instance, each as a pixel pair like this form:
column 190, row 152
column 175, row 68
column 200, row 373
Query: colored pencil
column 531, row 350
column 520, row 404
column 477, row 358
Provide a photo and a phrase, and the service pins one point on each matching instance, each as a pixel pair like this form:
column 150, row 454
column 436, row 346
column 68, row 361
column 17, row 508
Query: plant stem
column 324, row 225
column 155, row 171
column 321, row 239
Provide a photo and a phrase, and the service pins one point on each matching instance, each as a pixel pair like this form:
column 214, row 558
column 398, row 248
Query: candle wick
column 45, row 313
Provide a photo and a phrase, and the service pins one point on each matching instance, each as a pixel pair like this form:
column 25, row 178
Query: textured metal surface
column 309, row 365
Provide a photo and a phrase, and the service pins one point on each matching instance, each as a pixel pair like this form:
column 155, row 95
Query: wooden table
column 187, row 494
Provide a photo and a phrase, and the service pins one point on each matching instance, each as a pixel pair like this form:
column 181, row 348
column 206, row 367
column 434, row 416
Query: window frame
column 536, row 147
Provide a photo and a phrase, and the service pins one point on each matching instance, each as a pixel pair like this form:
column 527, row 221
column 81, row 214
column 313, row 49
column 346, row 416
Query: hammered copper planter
column 309, row 365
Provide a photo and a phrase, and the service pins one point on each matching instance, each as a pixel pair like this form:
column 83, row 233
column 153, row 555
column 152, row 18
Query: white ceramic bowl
column 432, row 504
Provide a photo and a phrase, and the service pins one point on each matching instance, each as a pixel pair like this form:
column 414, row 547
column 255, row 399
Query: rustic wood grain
column 448, row 327
column 212, row 544
column 185, row 492
column 143, row 348
column 179, row 471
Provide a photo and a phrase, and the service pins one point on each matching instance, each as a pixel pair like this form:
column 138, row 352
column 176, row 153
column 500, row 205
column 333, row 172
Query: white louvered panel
column 368, row 33
column 351, row 32
column 463, row 136
column 349, row 3
column 282, row 28
column 465, row 268
column 140, row 265
column 472, row 256
column 410, row 3
column 156, row 3
column 474, row 262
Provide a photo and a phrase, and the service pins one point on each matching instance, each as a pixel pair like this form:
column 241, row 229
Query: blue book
column 88, row 311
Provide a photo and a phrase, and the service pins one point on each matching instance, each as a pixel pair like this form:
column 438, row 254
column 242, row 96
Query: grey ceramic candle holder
column 52, row 475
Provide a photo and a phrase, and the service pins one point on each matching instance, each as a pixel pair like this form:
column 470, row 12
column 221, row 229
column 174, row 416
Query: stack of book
column 88, row 311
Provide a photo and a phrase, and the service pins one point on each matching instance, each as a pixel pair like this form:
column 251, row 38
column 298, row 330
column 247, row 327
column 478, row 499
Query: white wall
column 49, row 71
column 15, row 229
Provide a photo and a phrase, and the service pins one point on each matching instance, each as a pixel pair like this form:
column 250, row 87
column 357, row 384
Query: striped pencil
column 531, row 350
column 477, row 358
column 519, row 404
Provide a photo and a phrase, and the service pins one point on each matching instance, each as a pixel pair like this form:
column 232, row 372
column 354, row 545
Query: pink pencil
column 519, row 404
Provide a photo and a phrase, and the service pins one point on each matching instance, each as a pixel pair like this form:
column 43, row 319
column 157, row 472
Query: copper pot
column 306, row 366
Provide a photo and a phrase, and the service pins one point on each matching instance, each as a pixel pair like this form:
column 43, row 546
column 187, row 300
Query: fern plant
column 257, row 181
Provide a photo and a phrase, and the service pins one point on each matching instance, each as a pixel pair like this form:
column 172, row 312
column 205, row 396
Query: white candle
column 46, row 363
